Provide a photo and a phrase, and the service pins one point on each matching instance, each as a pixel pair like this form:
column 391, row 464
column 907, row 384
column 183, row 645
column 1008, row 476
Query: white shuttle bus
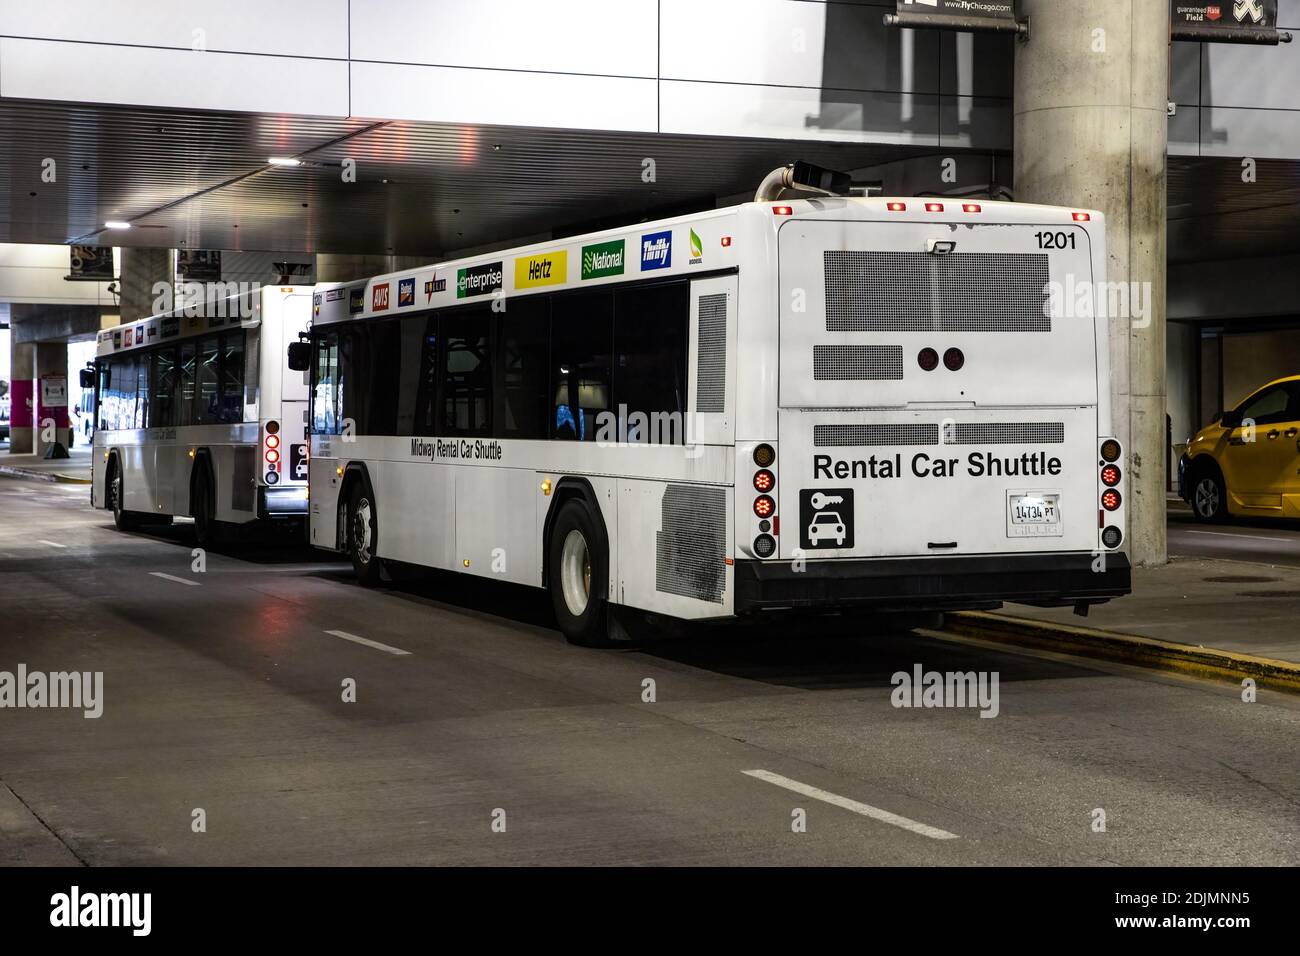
column 199, row 415
column 817, row 403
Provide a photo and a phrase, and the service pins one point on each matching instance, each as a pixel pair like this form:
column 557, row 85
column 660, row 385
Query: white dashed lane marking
column 172, row 577
column 853, row 806
column 387, row 648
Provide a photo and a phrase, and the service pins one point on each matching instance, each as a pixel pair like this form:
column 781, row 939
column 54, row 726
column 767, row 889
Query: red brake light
column 1082, row 217
column 1110, row 500
column 972, row 207
column 782, row 211
column 764, row 481
column 272, row 441
column 1110, row 476
column 934, row 207
column 897, row 207
column 764, row 506
column 272, row 455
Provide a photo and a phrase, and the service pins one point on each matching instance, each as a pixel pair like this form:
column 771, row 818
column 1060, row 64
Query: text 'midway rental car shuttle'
column 825, row 403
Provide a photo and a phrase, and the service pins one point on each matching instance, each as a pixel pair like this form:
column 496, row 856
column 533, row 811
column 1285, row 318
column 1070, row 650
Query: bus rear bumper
column 931, row 584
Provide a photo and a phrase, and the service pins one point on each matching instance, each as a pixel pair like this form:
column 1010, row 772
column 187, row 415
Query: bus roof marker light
column 934, row 207
column 782, row 211
column 896, row 206
column 972, row 207
column 1082, row 217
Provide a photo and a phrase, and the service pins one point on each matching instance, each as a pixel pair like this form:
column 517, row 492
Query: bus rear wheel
column 363, row 534
column 203, row 506
column 577, row 569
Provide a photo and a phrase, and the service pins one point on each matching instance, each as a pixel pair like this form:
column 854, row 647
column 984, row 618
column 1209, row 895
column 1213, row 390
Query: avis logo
column 379, row 298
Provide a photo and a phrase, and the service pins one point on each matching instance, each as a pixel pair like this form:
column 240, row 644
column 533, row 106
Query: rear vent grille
column 918, row 292
column 690, row 551
column 845, row 363
column 711, row 369
column 1004, row 433
column 825, row 436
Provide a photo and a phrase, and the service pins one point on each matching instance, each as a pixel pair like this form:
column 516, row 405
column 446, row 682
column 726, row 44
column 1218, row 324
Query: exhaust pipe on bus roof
column 801, row 177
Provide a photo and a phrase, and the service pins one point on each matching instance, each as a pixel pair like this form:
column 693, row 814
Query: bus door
column 294, row 390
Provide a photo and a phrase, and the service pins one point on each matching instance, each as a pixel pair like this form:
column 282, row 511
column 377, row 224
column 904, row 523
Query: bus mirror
column 87, row 378
column 299, row 356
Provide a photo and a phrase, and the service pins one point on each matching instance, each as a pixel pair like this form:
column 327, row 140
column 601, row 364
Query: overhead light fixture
column 117, row 224
column 284, row 161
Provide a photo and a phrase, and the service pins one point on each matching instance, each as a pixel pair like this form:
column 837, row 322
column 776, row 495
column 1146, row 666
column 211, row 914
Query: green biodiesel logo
column 697, row 249
column 603, row 259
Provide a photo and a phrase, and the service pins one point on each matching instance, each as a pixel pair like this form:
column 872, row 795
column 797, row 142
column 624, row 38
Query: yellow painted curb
column 1208, row 662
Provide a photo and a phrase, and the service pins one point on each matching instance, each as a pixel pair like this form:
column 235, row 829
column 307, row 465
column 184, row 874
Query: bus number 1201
column 1056, row 240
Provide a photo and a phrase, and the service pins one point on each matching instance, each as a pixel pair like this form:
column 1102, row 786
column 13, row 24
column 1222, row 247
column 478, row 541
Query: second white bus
column 198, row 414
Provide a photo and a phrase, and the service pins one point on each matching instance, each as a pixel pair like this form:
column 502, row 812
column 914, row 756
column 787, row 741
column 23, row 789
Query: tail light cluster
column 271, row 452
column 764, row 484
column 1110, row 517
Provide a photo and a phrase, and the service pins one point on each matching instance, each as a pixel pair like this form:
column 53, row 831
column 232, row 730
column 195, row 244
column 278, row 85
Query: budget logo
column 406, row 292
column 697, row 249
column 603, row 259
column 478, row 280
column 656, row 251
column 550, row 268
column 379, row 298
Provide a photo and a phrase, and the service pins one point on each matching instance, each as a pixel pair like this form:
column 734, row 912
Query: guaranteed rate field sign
column 1229, row 21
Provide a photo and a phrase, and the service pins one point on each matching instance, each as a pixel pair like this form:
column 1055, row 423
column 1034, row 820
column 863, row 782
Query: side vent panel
column 690, row 551
column 711, row 371
column 857, row 363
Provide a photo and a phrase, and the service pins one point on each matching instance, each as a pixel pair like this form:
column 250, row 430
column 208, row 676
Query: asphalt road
column 1255, row 541
column 222, row 693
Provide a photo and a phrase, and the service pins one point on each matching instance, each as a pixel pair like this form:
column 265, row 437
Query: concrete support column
column 141, row 270
column 52, row 423
column 1091, row 131
column 22, row 400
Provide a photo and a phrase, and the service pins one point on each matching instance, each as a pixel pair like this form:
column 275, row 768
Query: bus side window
column 523, row 346
column 140, row 417
column 467, row 372
column 232, row 378
column 162, row 411
column 105, row 394
column 209, row 382
column 325, row 418
column 185, row 412
column 582, row 330
column 651, row 342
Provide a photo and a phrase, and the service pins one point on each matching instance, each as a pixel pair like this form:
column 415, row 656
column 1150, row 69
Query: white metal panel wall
column 182, row 79
column 502, row 97
column 312, row 28
column 558, row 36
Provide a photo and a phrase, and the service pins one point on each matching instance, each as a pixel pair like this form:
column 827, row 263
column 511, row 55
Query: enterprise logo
column 656, row 251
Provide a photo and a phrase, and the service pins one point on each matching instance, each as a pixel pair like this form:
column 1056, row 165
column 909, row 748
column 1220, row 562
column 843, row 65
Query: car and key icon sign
column 826, row 518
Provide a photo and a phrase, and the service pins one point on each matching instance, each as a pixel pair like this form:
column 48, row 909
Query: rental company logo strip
column 549, row 268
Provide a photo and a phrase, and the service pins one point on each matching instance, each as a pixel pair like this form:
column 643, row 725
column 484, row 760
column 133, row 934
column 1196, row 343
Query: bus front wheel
column 577, row 569
column 363, row 534
column 123, row 520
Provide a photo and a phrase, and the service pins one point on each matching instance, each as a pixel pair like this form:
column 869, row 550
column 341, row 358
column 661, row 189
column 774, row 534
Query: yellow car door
column 1257, row 456
column 1288, row 452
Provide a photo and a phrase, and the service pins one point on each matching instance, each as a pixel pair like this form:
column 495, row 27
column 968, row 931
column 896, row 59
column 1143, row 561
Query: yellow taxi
column 1248, row 462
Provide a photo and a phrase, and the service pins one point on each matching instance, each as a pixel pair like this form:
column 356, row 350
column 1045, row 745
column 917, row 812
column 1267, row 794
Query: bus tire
column 577, row 570
column 363, row 533
column 123, row 520
column 203, row 508
column 1209, row 496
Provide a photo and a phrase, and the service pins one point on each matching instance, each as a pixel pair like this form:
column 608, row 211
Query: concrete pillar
column 141, row 270
column 52, row 423
column 22, row 402
column 1090, row 131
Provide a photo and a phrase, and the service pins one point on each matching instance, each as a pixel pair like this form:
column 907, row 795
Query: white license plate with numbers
column 1034, row 515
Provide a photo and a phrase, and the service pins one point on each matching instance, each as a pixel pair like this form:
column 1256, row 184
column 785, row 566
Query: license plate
column 1033, row 515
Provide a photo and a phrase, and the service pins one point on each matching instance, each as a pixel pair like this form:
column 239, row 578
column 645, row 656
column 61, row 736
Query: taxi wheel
column 1209, row 497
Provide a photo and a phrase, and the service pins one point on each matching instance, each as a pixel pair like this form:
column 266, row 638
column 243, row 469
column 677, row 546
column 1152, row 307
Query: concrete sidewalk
column 74, row 469
column 1245, row 608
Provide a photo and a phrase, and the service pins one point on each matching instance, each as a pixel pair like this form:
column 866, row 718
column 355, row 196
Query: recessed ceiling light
column 284, row 161
column 117, row 224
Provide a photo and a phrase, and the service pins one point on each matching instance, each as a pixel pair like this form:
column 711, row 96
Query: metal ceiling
column 200, row 180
